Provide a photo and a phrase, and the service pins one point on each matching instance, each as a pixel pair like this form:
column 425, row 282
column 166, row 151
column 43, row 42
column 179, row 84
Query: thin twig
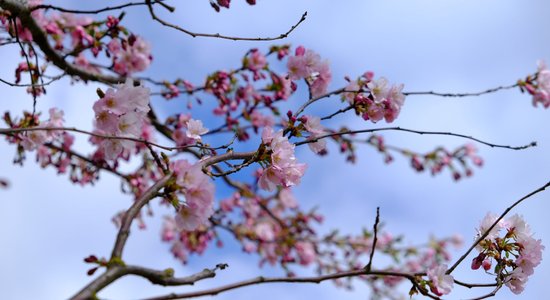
column 349, row 132
column 458, row 95
column 375, row 239
column 96, row 11
column 220, row 36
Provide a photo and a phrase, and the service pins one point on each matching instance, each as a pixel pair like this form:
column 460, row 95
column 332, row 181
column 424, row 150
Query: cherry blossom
column 441, row 283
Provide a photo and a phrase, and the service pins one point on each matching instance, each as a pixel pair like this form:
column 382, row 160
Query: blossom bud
column 486, row 264
column 476, row 262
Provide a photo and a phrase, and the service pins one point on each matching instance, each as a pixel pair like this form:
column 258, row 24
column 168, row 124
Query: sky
column 47, row 225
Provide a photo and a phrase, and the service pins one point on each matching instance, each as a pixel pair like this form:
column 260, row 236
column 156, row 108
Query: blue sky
column 48, row 225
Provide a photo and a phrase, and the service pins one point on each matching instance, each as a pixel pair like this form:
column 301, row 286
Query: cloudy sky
column 49, row 225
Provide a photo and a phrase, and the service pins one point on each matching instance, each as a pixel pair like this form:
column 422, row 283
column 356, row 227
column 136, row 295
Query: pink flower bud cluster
column 53, row 147
column 516, row 254
column 384, row 101
column 81, row 38
column 198, row 191
column 539, row 86
column 32, row 140
column 120, row 113
column 306, row 64
column 225, row 3
column 283, row 169
column 457, row 161
column 130, row 55
column 184, row 242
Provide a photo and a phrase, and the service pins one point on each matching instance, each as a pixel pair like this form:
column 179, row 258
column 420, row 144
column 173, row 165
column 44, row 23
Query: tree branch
column 220, row 36
column 96, row 11
column 316, row 279
column 346, row 132
column 40, row 38
column 375, row 238
column 132, row 212
column 458, row 95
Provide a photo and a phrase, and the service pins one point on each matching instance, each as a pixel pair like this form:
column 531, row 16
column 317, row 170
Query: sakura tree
column 242, row 156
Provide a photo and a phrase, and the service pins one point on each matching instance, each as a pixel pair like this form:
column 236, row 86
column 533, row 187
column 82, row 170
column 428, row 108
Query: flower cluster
column 198, row 191
column 120, row 113
column 283, row 170
column 130, row 55
column 80, row 38
column 306, row 64
column 459, row 161
column 32, row 140
column 539, row 86
column 516, row 254
column 384, row 101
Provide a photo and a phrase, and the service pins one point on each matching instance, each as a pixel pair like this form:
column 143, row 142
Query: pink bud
column 486, row 264
column 300, row 51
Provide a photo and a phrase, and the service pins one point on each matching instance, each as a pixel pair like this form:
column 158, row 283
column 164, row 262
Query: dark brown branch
column 349, row 132
column 166, row 277
column 132, row 212
column 474, row 285
column 458, row 95
column 375, row 239
column 96, row 11
column 317, row 279
column 220, row 36
column 486, row 233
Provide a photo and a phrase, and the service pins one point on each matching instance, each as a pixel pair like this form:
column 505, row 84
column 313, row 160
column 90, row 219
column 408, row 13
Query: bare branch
column 132, row 212
column 316, row 279
column 348, row 132
column 375, row 238
column 166, row 277
column 220, row 36
column 96, row 11
column 458, row 95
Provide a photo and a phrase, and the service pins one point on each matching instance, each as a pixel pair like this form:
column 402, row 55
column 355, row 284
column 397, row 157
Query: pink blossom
column 168, row 229
column 287, row 198
column 265, row 231
column 256, row 61
column 441, row 283
column 530, row 254
column 191, row 216
column 198, row 191
column 306, row 252
column 516, row 281
column 34, row 139
column 542, row 93
column 195, row 129
column 320, row 80
column 486, row 223
column 134, row 57
column 121, row 112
